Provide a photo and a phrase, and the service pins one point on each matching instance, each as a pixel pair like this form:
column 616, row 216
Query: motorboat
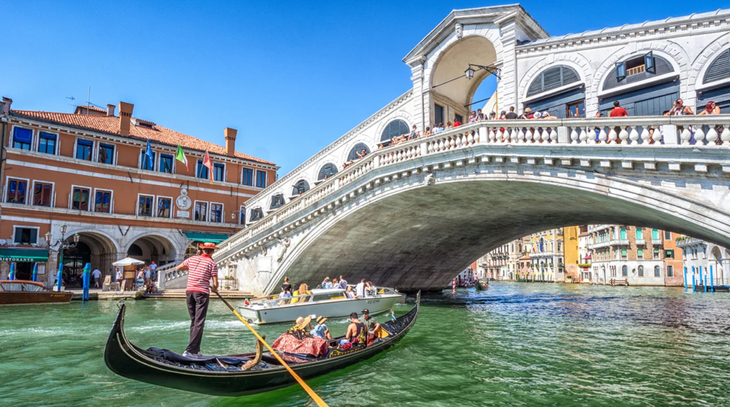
column 237, row 375
column 30, row 292
column 330, row 303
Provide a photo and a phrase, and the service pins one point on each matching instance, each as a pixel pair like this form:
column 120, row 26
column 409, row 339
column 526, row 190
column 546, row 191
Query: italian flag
column 180, row 156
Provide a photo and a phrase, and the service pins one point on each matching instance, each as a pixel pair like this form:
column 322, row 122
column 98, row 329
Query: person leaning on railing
column 712, row 108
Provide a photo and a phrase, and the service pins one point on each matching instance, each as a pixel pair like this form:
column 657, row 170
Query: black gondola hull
column 127, row 360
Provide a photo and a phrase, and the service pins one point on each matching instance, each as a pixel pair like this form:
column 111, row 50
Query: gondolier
column 202, row 269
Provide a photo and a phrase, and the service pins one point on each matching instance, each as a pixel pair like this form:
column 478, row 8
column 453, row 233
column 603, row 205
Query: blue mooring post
column 712, row 279
column 35, row 272
column 693, row 282
column 86, row 281
column 685, row 278
column 12, row 272
column 703, row 280
column 59, row 277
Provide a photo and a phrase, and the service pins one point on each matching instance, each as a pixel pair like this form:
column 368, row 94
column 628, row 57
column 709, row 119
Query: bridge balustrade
column 710, row 131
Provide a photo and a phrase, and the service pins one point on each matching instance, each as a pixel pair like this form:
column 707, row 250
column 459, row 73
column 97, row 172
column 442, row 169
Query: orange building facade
column 90, row 171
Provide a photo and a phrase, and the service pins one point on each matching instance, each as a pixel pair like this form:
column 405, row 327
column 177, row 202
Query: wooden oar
column 308, row 389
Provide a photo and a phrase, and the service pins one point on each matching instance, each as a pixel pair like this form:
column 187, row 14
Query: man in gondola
column 202, row 269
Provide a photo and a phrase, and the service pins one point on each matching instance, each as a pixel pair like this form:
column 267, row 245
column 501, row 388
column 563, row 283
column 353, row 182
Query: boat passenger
column 335, row 283
column 286, row 286
column 374, row 330
column 343, row 283
column 349, row 293
column 356, row 331
column 360, row 289
column 326, row 284
column 321, row 329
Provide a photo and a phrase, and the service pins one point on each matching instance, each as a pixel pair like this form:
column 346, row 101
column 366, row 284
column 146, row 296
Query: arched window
column 327, row 171
column 658, row 271
column 719, row 68
column 300, row 187
column 552, row 78
column 394, row 129
column 624, row 271
column 277, row 201
column 641, row 271
column 359, row 147
column 256, row 214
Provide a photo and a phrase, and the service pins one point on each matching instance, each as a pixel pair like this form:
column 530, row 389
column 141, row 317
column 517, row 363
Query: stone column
column 421, row 112
column 507, row 86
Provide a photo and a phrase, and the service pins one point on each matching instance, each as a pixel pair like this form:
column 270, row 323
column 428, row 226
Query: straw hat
column 304, row 322
column 321, row 320
column 207, row 245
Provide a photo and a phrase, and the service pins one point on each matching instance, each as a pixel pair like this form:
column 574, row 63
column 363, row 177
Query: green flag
column 180, row 156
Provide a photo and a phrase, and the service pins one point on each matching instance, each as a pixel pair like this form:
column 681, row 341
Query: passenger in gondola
column 374, row 330
column 321, row 330
column 356, row 332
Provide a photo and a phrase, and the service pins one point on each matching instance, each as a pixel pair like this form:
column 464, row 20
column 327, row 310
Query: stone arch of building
column 382, row 124
column 166, row 250
column 573, row 60
column 705, row 58
column 303, row 177
column 364, row 139
column 103, row 248
column 672, row 52
column 385, row 225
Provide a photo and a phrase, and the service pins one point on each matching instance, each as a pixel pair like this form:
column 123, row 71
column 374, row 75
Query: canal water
column 513, row 345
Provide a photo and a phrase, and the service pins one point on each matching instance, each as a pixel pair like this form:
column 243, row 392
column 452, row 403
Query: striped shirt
column 201, row 269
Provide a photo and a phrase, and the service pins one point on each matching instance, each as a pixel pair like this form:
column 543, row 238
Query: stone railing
column 627, row 132
column 167, row 275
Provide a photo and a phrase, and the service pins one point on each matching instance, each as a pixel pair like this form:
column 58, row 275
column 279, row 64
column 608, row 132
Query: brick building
column 89, row 170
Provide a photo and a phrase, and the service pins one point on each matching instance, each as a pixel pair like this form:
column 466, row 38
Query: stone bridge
column 412, row 215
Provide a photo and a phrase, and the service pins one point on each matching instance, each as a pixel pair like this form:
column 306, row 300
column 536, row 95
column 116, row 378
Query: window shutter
column 551, row 79
column 649, row 65
column 719, row 68
column 620, row 71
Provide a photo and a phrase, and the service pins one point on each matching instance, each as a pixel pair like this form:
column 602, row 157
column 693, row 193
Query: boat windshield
column 12, row 286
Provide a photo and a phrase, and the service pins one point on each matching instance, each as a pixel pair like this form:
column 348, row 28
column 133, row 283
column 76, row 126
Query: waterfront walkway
column 172, row 294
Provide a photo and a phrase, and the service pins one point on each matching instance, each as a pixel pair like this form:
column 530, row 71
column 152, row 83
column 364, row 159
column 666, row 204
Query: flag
column 150, row 156
column 208, row 163
column 180, row 156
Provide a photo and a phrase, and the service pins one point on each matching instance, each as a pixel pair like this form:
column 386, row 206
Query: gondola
column 481, row 285
column 224, row 375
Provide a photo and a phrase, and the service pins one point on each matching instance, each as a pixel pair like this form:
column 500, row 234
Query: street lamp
column 470, row 71
column 62, row 243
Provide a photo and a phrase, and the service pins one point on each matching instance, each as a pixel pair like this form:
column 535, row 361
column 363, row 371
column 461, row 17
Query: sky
column 291, row 76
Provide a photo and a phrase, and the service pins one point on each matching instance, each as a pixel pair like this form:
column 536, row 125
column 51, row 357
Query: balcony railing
column 688, row 241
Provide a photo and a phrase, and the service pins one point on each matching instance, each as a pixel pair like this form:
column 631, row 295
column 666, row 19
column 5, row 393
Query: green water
column 514, row 345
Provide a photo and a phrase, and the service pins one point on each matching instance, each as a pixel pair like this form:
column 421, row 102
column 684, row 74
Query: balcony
column 640, row 242
column 687, row 241
column 612, row 242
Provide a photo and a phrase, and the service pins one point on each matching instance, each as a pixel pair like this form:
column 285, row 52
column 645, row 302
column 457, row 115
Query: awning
column 206, row 237
column 24, row 255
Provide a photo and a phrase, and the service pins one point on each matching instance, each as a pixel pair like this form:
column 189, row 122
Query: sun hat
column 207, row 245
column 321, row 320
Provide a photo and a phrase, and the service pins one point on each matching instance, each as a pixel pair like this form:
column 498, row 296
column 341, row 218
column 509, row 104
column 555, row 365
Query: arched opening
column 558, row 91
column 715, row 85
column 277, row 201
column 395, row 128
column 361, row 149
column 326, row 171
column 300, row 187
column 93, row 248
column 152, row 248
column 452, row 94
column 642, row 89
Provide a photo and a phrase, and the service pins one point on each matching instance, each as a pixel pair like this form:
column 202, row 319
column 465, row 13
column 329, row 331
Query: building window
column 360, row 150
column 144, row 205
column 458, row 118
column 624, row 271
column 247, row 177
column 16, row 191
column 260, row 179
column 219, row 172
column 42, row 193
column 256, row 214
column 623, row 234
column 106, row 153
column 658, row 271
column 719, row 68
column 670, row 271
column 639, row 234
column 640, row 254
column 163, row 207
column 201, row 171
column 655, row 234
column 277, row 201
column 624, row 254
column 25, row 235
column 656, row 254
column 242, row 216
column 80, row 200
column 201, row 211
column 47, row 143
column 22, row 138
column 166, row 161
column 669, row 254
column 300, row 187
column 641, row 271
column 84, row 149
column 667, row 235
column 553, row 78
column 216, row 213
column 146, row 162
column 327, row 171
column 394, row 129
column 438, row 114
column 103, row 201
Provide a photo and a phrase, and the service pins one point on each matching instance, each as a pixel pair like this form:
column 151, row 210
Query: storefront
column 25, row 260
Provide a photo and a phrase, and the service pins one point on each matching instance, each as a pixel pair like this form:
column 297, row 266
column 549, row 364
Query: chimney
column 110, row 109
column 230, row 141
column 6, row 107
column 125, row 116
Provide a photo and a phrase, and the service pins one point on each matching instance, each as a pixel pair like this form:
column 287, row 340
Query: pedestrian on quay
column 201, row 271
column 97, row 276
column 153, row 270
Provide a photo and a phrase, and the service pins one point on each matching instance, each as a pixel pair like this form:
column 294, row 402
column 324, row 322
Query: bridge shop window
column 144, row 205
column 247, row 176
column 256, row 214
column 219, row 172
column 80, row 198
column 164, row 207
column 102, row 201
column 42, row 193
column 201, row 211
column 637, row 89
column 16, row 192
column 395, row 128
column 716, row 86
column 277, row 201
column 260, row 179
column 216, row 212
column 84, row 148
column 300, row 187
column 326, row 171
column 559, row 91
column 359, row 147
column 166, row 161
column 106, row 153
column 47, row 143
column 22, row 138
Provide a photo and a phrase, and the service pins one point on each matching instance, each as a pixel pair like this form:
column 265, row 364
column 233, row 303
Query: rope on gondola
column 306, row 387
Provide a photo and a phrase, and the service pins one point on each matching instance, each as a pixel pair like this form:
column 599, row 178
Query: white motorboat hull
column 329, row 308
